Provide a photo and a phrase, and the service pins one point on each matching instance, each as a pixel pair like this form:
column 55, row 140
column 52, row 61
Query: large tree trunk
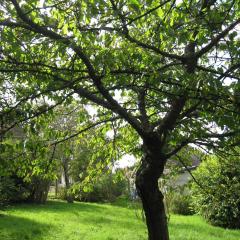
column 152, row 199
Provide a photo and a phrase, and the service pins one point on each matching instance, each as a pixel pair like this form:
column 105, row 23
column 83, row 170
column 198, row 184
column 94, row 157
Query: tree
column 28, row 161
column 76, row 150
column 175, row 65
column 65, row 123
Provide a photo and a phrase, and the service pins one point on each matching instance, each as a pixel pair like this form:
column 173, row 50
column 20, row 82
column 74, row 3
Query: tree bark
column 152, row 199
column 56, row 188
column 69, row 197
column 38, row 191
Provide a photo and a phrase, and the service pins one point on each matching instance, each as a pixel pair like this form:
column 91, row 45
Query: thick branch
column 148, row 12
column 79, row 51
column 126, row 34
column 216, row 39
column 142, row 108
column 11, row 24
column 84, row 130
column 169, row 121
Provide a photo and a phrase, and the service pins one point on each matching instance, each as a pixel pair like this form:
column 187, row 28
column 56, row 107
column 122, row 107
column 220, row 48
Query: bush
column 105, row 189
column 178, row 200
column 12, row 189
column 38, row 188
column 62, row 193
column 6, row 190
column 218, row 198
column 181, row 204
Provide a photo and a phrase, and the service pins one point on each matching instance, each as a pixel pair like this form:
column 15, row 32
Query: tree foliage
column 100, row 49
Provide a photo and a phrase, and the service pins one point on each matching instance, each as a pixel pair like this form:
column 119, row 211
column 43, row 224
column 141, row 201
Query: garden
column 119, row 119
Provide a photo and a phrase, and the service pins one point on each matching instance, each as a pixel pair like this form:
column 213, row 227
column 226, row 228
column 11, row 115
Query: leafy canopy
column 169, row 68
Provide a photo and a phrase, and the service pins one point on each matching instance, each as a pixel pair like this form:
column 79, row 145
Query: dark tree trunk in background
column 69, row 197
column 147, row 178
column 38, row 191
column 56, row 188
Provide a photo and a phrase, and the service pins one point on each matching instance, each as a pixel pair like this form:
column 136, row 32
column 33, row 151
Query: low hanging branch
column 84, row 130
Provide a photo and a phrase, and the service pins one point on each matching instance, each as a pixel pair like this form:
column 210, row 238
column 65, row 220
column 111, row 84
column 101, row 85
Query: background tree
column 169, row 69
column 77, row 149
column 65, row 123
column 28, row 162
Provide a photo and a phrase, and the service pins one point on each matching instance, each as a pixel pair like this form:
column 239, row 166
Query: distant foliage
column 62, row 193
column 219, row 200
column 38, row 188
column 106, row 188
column 181, row 204
column 178, row 200
column 12, row 189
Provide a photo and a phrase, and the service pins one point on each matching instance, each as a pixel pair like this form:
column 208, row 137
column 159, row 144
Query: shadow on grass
column 18, row 228
column 126, row 203
column 104, row 215
column 206, row 230
column 59, row 206
column 104, row 221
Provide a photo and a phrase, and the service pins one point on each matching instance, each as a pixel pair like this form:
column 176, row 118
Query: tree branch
column 178, row 148
column 170, row 119
column 147, row 12
column 36, row 114
column 79, row 51
column 126, row 34
column 84, row 130
column 142, row 108
column 216, row 39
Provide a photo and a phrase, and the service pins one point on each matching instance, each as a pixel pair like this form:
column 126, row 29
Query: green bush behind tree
column 180, row 203
column 105, row 188
column 218, row 196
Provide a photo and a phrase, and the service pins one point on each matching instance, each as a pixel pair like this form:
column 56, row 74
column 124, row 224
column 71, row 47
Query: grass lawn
column 84, row 221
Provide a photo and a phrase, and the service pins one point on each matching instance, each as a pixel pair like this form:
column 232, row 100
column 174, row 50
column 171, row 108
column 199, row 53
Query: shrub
column 218, row 198
column 62, row 193
column 104, row 189
column 181, row 204
column 38, row 188
column 178, row 200
column 12, row 189
column 6, row 190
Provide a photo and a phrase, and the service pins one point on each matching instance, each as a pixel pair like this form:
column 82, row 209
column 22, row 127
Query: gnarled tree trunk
column 152, row 199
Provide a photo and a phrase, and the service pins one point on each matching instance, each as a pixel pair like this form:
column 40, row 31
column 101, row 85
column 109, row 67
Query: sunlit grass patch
column 90, row 221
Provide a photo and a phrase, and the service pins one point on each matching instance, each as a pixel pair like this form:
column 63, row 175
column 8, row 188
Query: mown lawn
column 84, row 221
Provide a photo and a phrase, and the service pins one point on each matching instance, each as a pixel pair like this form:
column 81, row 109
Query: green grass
column 84, row 221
